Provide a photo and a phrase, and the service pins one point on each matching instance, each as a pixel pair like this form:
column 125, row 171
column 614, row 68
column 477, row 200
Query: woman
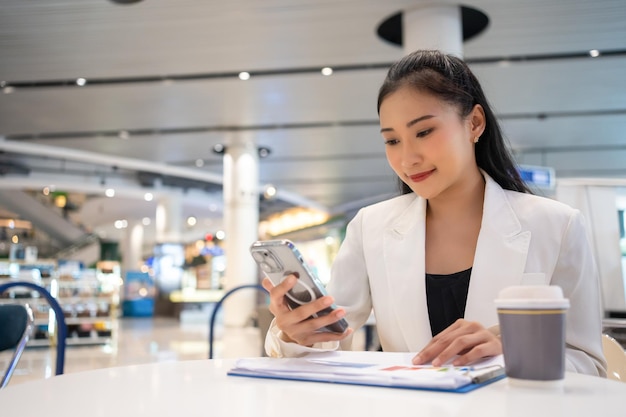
column 430, row 262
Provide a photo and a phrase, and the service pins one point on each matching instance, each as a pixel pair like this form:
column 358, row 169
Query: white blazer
column 523, row 239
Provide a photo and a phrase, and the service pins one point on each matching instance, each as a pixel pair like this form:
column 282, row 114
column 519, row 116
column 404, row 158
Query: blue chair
column 219, row 305
column 16, row 327
column 58, row 312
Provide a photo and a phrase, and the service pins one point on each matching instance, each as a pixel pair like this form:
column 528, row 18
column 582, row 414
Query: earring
column 476, row 139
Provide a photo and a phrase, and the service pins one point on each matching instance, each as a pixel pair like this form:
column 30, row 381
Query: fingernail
column 417, row 360
column 340, row 314
column 436, row 362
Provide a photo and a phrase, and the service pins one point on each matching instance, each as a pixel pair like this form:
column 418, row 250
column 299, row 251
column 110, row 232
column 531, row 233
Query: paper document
column 387, row 369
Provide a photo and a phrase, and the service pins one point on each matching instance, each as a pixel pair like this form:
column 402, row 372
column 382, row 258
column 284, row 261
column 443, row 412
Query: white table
column 202, row 388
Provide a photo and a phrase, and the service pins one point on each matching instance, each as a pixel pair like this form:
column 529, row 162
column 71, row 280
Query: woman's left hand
column 467, row 339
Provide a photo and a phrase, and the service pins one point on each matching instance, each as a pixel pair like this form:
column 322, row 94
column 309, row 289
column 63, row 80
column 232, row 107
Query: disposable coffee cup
column 532, row 329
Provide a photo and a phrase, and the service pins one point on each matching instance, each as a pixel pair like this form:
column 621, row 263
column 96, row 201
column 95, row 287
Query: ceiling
column 162, row 90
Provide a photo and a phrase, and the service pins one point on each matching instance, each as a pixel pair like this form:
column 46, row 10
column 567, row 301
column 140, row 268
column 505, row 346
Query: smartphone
column 278, row 259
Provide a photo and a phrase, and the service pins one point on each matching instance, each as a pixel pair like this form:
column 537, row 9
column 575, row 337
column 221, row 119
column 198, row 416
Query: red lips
column 421, row 176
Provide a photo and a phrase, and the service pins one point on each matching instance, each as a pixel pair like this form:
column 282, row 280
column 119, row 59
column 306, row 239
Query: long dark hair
column 450, row 79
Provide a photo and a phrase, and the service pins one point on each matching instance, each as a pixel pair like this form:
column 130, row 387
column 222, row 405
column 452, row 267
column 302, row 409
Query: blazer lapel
column 500, row 256
column 403, row 251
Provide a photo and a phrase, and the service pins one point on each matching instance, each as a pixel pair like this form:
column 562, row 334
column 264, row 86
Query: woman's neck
column 453, row 222
column 465, row 199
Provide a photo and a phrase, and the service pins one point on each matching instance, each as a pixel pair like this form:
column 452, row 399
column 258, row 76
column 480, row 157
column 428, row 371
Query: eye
column 391, row 142
column 423, row 133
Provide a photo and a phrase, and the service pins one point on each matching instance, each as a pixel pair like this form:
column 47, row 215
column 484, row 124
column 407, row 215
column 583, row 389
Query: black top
column 446, row 296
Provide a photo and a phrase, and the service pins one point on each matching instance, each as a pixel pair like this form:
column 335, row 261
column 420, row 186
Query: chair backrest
column 219, row 304
column 58, row 313
column 16, row 326
column 615, row 358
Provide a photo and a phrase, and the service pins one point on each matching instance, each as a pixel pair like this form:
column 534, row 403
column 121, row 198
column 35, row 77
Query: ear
column 477, row 122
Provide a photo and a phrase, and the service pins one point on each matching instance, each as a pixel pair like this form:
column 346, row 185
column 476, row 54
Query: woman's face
column 428, row 144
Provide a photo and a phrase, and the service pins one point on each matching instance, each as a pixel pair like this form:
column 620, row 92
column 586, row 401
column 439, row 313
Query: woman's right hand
column 296, row 325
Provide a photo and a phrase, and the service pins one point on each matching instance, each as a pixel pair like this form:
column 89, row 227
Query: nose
column 411, row 156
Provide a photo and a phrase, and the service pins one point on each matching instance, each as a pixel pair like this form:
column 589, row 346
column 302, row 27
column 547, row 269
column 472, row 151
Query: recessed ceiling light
column 264, row 152
column 199, row 163
column 594, row 53
column 109, row 192
column 81, row 81
column 327, row 71
column 148, row 196
column 269, row 192
column 244, row 75
column 123, row 134
column 121, row 224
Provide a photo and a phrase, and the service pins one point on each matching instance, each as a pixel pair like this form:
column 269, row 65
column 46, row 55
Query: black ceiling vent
column 125, row 1
column 473, row 22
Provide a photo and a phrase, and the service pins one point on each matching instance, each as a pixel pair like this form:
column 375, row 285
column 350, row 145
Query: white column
column 433, row 27
column 598, row 205
column 169, row 219
column 241, row 220
column 132, row 247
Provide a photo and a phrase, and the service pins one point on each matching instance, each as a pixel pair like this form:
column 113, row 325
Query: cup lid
column 532, row 296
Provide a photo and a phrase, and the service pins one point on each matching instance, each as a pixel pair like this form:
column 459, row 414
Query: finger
column 442, row 341
column 436, row 345
column 278, row 293
column 468, row 348
column 305, row 312
column 490, row 347
column 429, row 352
column 460, row 340
column 327, row 319
column 305, row 332
column 320, row 337
column 286, row 284
column 267, row 284
column 459, row 345
column 301, row 329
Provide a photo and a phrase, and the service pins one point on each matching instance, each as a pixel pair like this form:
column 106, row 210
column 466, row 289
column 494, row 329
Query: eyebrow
column 409, row 124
